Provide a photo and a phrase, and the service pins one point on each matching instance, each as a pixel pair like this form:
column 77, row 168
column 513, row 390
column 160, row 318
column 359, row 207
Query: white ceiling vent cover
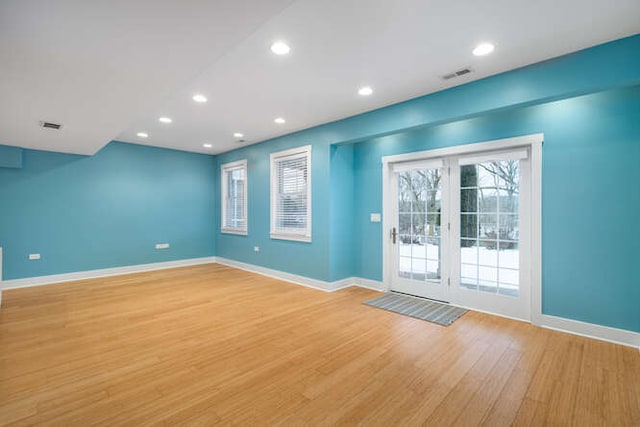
column 457, row 73
column 50, row 125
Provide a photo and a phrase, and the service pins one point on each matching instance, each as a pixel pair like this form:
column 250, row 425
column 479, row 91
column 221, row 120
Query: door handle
column 394, row 233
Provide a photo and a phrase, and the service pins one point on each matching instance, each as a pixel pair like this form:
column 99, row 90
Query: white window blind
column 291, row 194
column 234, row 197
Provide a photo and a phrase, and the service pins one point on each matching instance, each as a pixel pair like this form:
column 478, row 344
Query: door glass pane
column 419, row 207
column 509, row 227
column 488, row 226
column 469, row 225
column 404, row 220
column 469, row 251
column 510, row 256
column 469, row 275
column 404, row 267
column 487, row 253
column 432, row 227
column 489, row 201
column 468, row 199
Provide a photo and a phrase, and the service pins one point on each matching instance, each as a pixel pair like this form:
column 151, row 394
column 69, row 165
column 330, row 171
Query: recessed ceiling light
column 199, row 98
column 238, row 135
column 365, row 91
column 280, row 48
column 483, row 49
column 165, row 120
column 279, row 120
column 142, row 134
column 207, row 145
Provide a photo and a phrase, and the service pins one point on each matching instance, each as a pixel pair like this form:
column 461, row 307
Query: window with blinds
column 234, row 197
column 291, row 194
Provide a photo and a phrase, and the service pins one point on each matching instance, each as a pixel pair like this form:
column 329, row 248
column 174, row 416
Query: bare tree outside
column 418, row 194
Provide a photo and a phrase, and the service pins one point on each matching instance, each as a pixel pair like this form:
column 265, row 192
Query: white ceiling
column 108, row 70
column 97, row 66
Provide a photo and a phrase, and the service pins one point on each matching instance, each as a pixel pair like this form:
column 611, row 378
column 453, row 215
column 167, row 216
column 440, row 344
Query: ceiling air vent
column 50, row 125
column 458, row 73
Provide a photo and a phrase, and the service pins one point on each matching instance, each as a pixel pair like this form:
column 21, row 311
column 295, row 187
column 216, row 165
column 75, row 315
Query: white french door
column 418, row 236
column 461, row 230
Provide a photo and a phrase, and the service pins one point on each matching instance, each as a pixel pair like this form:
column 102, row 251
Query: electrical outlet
column 256, row 249
column 162, row 246
column 34, row 256
column 375, row 217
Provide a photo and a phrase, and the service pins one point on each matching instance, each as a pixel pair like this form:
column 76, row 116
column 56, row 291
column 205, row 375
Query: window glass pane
column 234, row 197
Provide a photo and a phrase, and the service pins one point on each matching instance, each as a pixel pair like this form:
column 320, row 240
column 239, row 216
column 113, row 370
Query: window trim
column 224, row 169
column 298, row 237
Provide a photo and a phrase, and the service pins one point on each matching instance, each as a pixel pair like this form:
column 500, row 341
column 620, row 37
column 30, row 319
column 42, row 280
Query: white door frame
column 533, row 141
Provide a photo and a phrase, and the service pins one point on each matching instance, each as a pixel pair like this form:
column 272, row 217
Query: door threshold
column 418, row 296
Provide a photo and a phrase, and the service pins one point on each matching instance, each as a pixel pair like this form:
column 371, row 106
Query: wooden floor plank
column 213, row 345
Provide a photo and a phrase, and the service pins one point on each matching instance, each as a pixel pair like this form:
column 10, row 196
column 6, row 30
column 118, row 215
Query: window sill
column 232, row 231
column 293, row 237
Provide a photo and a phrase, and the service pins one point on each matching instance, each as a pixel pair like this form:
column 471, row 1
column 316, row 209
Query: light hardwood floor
column 214, row 345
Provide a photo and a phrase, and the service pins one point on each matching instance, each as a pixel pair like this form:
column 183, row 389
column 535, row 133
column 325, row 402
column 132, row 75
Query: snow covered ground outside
column 479, row 265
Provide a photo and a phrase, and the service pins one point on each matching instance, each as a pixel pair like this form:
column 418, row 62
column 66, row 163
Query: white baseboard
column 374, row 285
column 590, row 330
column 342, row 284
column 288, row 277
column 104, row 272
column 302, row 280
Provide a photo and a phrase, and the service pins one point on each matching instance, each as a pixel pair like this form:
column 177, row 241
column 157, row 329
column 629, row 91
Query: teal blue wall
column 590, row 227
column 108, row 210
column 10, row 157
column 341, row 233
